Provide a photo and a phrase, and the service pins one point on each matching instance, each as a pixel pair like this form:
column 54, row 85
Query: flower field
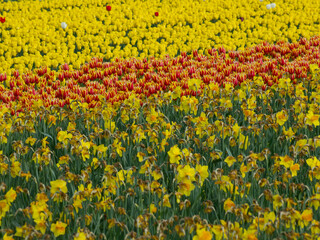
column 159, row 120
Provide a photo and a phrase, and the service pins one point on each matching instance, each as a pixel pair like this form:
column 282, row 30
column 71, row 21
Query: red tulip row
column 115, row 81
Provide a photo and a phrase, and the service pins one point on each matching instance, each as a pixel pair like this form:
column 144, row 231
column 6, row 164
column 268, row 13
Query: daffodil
column 312, row 119
column 230, row 161
column 286, row 161
column 58, row 228
column 281, row 117
column 58, row 186
column 175, row 154
column 228, row 205
column 203, row 234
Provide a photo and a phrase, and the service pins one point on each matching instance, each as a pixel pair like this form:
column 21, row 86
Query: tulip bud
column 63, row 25
column 268, row 6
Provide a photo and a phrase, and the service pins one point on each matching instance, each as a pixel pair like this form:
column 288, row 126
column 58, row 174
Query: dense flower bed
column 98, row 82
column 53, row 32
column 185, row 134
column 202, row 147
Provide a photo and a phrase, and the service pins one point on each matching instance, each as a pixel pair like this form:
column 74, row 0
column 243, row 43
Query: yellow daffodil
column 175, row 154
column 281, row 117
column 58, row 186
column 58, row 228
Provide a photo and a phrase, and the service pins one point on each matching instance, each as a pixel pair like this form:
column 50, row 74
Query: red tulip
column 2, row 19
column 156, row 14
column 108, row 8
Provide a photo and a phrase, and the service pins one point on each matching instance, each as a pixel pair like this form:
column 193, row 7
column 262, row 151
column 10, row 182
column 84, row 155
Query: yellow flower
column 52, row 120
column 230, row 161
column 153, row 208
column 80, row 236
column 145, row 167
column 77, row 202
column 71, row 126
column 44, row 142
column 175, row 154
column 84, row 148
column 277, row 201
column 140, row 156
column 185, row 187
column 139, row 135
column 7, row 237
column 189, row 104
column 203, row 173
column 294, row 168
column 15, row 169
column 101, row 149
column 286, row 161
column 11, row 195
column 117, row 145
column 236, row 129
column 4, row 208
column 124, row 176
column 64, row 159
column 228, row 205
column 124, row 116
column 110, row 125
column 64, row 136
column 58, row 228
column 166, row 201
column 312, row 119
column 23, row 231
column 153, row 117
column 41, row 225
column 315, row 201
column 313, row 162
column 186, row 173
column 301, row 144
column 288, row 133
column 306, row 217
column 269, row 217
column 31, row 141
column 314, row 68
column 248, row 113
column 219, row 232
column 176, row 93
column 156, row 174
column 284, row 83
column 194, row 84
column 202, row 234
column 58, row 186
column 244, row 141
column 250, row 234
column 281, row 117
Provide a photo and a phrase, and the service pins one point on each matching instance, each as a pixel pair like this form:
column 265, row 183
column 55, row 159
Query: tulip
column 2, row 19
column 63, row 25
column 268, row 6
column 273, row 5
column 156, row 14
column 108, row 8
